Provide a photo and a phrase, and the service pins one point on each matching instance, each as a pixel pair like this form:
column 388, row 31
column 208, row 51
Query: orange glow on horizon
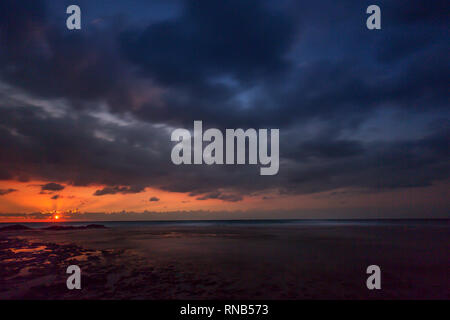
column 29, row 199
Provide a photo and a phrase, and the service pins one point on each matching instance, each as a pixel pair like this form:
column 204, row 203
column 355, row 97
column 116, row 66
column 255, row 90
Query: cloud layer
column 355, row 108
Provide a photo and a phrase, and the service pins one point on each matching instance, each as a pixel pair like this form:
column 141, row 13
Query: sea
column 261, row 223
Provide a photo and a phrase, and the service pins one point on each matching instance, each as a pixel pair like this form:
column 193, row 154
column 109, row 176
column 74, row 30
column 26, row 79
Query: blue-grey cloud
column 356, row 108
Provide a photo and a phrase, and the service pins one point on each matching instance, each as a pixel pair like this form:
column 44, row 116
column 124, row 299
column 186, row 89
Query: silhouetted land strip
column 18, row 227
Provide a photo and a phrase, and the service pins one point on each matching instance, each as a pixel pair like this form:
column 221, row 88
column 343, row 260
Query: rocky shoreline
column 226, row 262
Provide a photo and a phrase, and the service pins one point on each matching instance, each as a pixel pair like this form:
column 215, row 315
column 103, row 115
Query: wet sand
column 227, row 262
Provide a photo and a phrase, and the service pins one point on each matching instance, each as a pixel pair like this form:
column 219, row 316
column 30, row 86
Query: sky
column 86, row 115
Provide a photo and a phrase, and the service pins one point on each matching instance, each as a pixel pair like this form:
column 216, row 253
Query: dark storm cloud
column 204, row 63
column 325, row 149
column 208, row 56
column 226, row 89
column 46, row 59
column 6, row 191
column 153, row 199
column 80, row 150
column 383, row 166
column 129, row 159
column 52, row 187
column 244, row 39
column 135, row 161
column 435, row 12
column 121, row 190
column 221, row 196
column 289, row 65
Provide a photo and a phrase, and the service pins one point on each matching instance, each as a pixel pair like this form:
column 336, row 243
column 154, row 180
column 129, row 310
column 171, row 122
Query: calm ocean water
column 262, row 223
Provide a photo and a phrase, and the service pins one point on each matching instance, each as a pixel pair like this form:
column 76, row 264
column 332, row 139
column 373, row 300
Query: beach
column 228, row 261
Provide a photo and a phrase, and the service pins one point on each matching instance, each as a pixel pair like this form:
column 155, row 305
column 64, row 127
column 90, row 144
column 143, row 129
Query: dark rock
column 14, row 227
column 89, row 226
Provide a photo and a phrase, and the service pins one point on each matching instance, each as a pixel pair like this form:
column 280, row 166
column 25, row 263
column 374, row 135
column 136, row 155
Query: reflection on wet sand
column 225, row 262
